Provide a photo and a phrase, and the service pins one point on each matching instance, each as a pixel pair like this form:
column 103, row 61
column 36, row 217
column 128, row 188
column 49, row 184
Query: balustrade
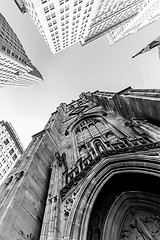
column 84, row 165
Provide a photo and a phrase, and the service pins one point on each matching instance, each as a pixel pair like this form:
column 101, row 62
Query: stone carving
column 135, row 125
column 52, row 199
column 133, row 122
column 141, row 225
column 68, row 203
column 61, row 160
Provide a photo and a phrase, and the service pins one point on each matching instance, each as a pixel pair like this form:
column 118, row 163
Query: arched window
column 91, row 135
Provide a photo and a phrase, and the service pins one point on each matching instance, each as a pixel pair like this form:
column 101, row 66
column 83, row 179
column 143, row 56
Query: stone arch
column 84, row 117
column 78, row 221
column 136, row 207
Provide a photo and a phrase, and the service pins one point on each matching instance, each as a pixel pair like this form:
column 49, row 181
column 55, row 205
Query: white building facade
column 149, row 12
column 60, row 22
column 16, row 68
column 10, row 149
column 65, row 22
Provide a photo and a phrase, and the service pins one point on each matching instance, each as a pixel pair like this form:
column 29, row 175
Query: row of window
column 12, row 42
column 9, row 52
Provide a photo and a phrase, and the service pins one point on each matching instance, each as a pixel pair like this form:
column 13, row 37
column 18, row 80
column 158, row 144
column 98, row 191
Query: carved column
column 51, row 221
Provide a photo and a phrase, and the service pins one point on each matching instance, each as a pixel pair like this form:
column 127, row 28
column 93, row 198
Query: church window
column 88, row 131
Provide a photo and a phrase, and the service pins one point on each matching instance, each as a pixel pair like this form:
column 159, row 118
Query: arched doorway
column 127, row 208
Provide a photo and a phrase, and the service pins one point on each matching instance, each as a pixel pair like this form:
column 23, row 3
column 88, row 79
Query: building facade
column 10, row 149
column 16, row 68
column 61, row 23
column 65, row 22
column 118, row 19
column 92, row 173
column 149, row 12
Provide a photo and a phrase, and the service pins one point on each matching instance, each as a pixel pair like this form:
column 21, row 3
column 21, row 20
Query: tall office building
column 149, row 13
column 10, row 149
column 16, row 68
column 93, row 172
column 61, row 23
column 118, row 19
column 65, row 22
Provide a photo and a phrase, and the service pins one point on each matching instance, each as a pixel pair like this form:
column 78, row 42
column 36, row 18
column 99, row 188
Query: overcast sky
column 96, row 66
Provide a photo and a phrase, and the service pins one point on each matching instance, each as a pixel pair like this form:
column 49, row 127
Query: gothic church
column 92, row 173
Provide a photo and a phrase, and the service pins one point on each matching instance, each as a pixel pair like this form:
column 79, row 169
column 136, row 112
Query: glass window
column 46, row 9
column 6, row 141
column 51, row 6
column 11, row 151
column 3, row 48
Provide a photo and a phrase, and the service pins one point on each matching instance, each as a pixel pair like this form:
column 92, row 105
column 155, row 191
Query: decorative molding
column 68, row 203
column 141, row 225
column 61, row 160
column 84, row 166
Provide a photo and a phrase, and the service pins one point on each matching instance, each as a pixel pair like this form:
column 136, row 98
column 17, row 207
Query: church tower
column 92, row 173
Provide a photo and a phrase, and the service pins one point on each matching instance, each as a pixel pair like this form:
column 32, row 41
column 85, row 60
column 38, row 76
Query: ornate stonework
column 141, row 224
column 93, row 173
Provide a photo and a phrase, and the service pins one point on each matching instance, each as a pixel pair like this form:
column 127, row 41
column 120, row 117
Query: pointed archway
column 127, row 208
column 100, row 194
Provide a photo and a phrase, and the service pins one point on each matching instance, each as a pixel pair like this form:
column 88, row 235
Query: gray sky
column 96, row 66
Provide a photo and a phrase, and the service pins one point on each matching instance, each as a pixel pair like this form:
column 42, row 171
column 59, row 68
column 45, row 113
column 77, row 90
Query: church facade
column 92, row 173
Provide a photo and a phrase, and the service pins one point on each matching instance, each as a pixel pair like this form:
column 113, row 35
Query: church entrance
column 127, row 208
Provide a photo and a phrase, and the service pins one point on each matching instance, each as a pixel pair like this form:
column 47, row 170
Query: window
column 85, row 132
column 51, row 6
column 44, row 1
column 11, row 151
column 14, row 157
column 8, row 51
column 49, row 24
column 3, row 48
column 6, row 141
column 61, row 2
column 46, row 9
column 48, row 17
column 75, row 3
column 7, row 166
column 62, row 10
column 3, row 160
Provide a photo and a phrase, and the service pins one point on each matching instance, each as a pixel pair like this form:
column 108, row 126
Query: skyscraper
column 10, row 149
column 65, row 22
column 148, row 13
column 92, row 173
column 61, row 23
column 16, row 68
column 111, row 15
